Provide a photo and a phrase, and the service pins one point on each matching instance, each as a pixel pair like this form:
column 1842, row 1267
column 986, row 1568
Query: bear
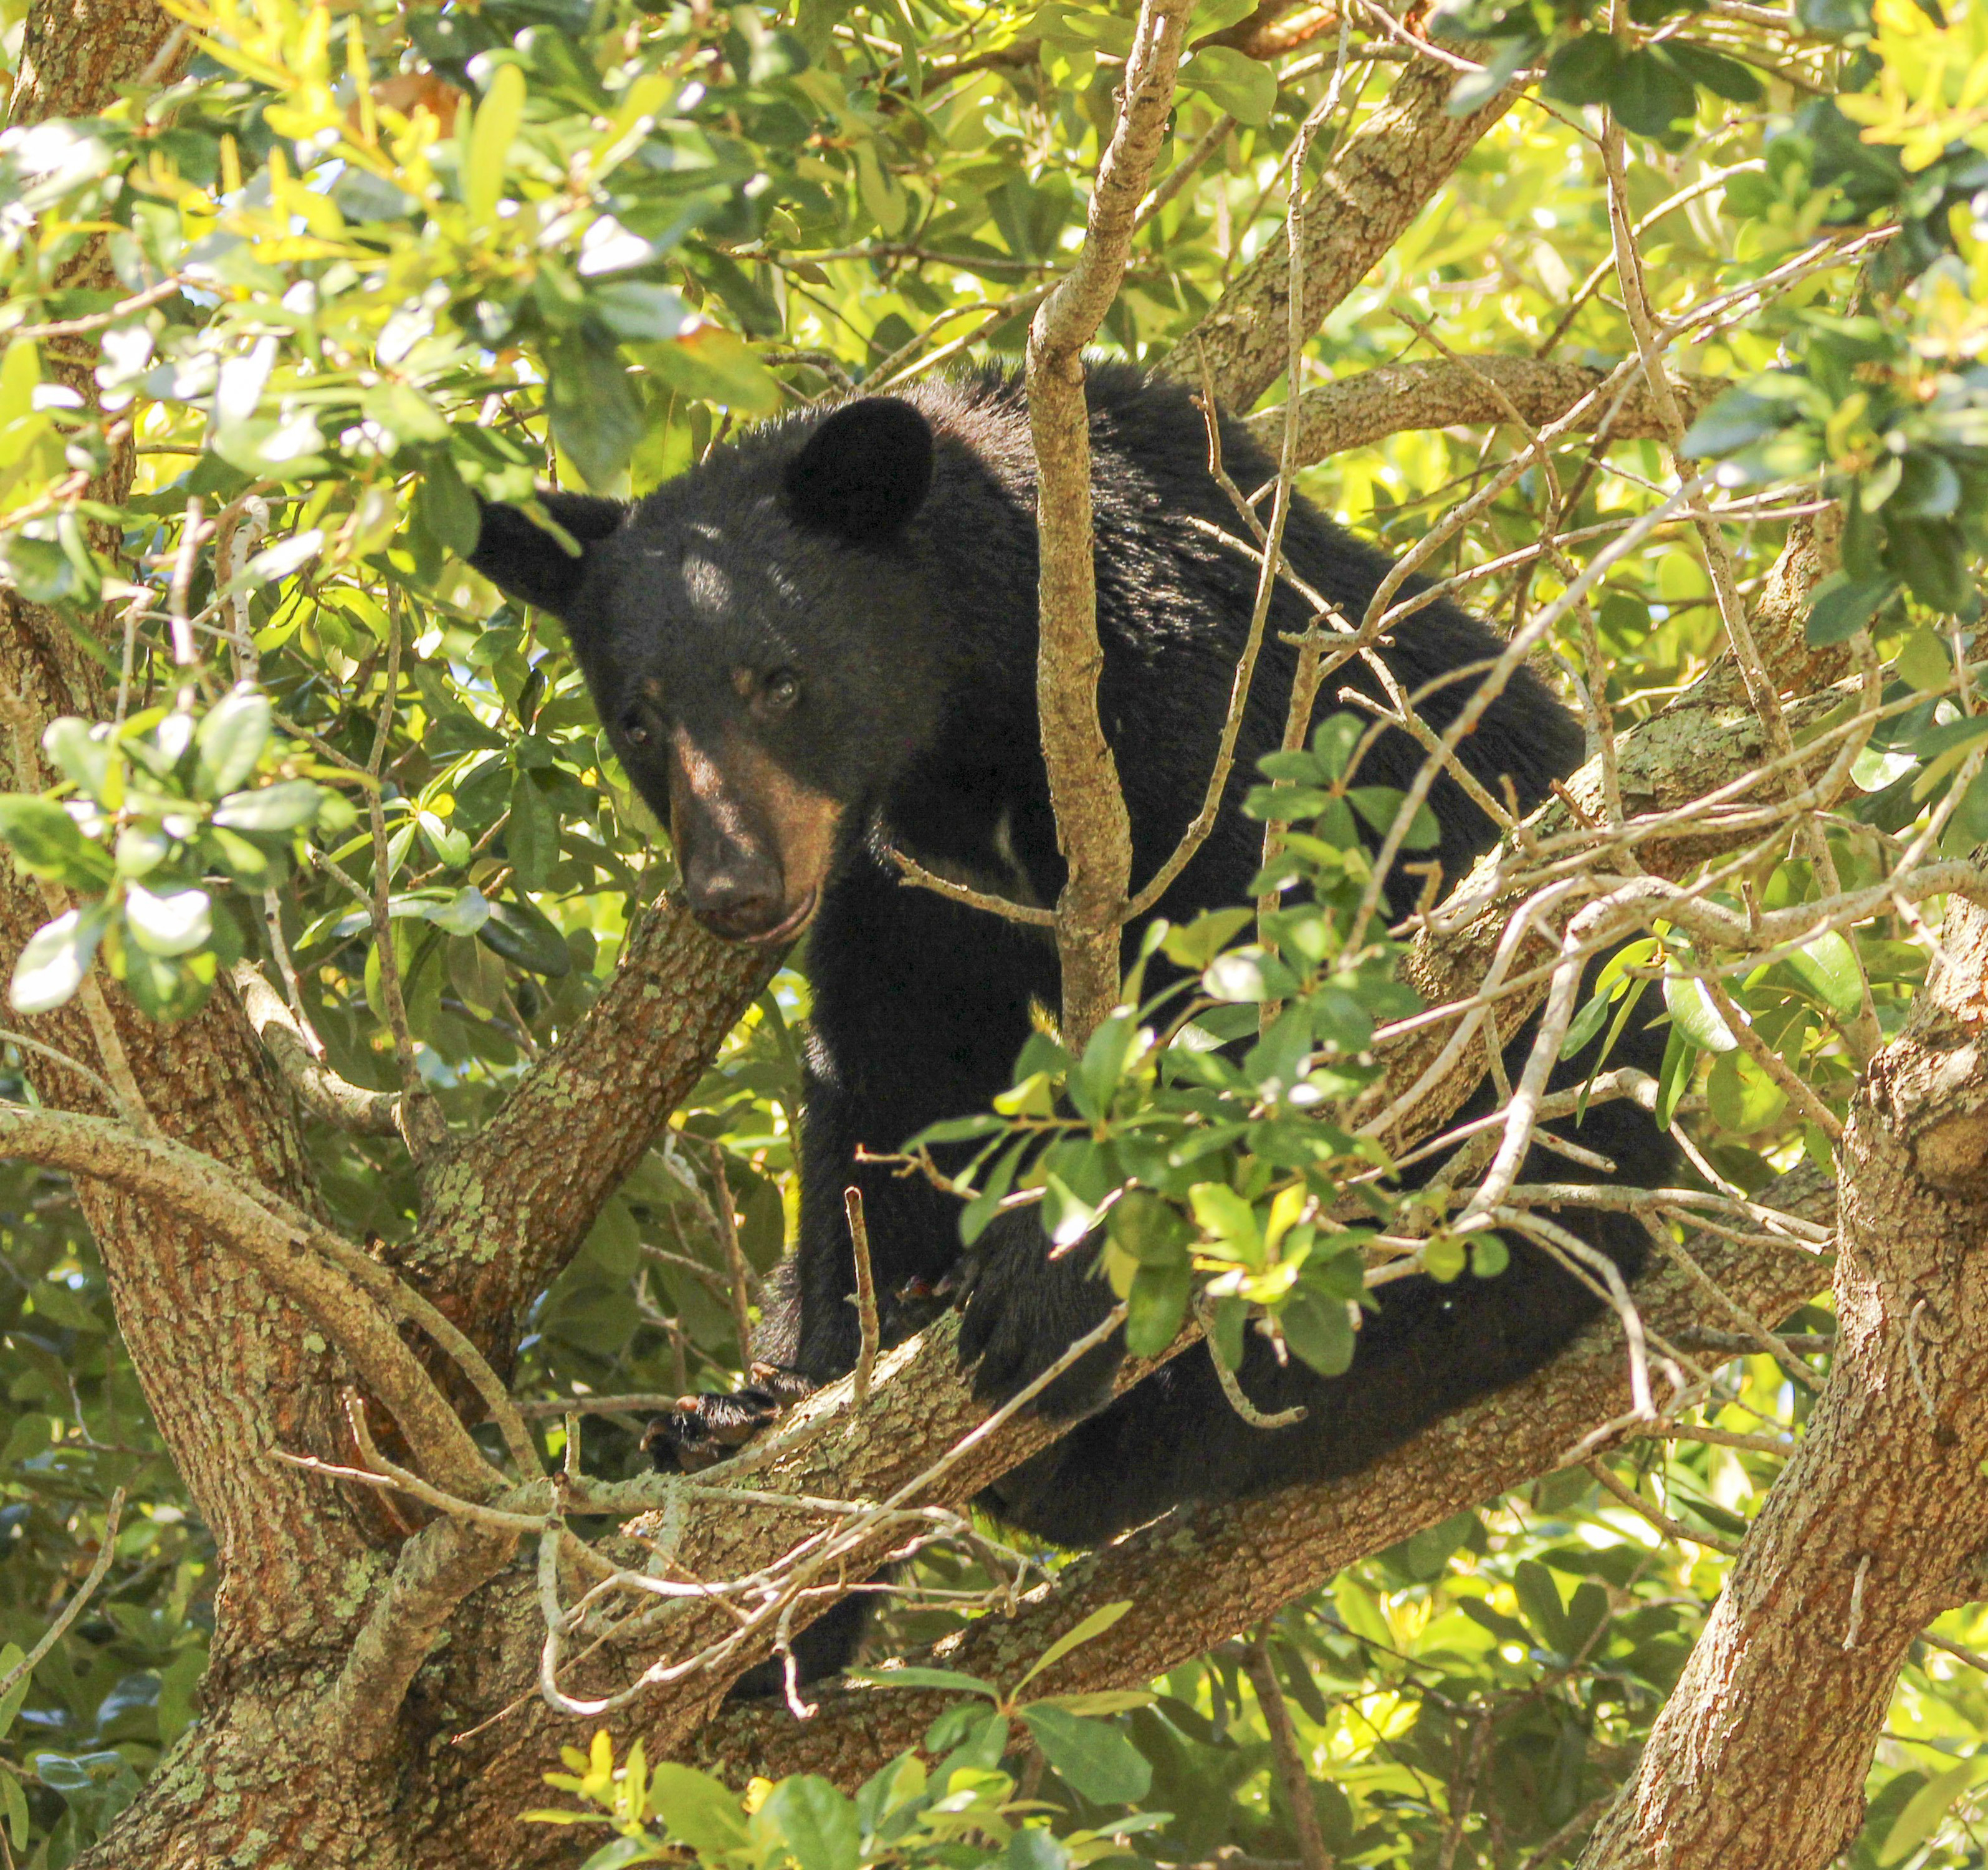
column 818, row 647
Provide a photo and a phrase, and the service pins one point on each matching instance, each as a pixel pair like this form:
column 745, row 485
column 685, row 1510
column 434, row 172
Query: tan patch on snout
column 805, row 822
column 752, row 798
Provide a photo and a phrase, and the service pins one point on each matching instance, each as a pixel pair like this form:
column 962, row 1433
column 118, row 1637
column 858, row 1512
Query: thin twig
column 740, row 1281
column 107, row 1551
column 1662, row 1521
column 1291, row 1775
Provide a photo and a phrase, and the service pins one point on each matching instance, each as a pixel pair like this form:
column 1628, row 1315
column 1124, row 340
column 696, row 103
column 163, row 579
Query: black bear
column 819, row 645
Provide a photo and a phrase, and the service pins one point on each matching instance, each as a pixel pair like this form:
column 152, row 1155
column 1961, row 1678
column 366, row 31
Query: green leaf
column 701, row 1812
column 229, row 741
column 1152, row 1231
column 1228, row 1218
column 1842, row 607
column 1193, row 944
column 1673, row 1075
column 281, row 807
column 56, row 957
column 1093, row 1625
column 1648, row 94
column 914, row 1677
column 1741, row 1097
column 1694, row 1014
column 1095, row 1081
column 494, row 128
column 1581, row 71
column 1332, row 742
column 82, row 755
column 1827, row 967
column 531, row 839
column 14, row 1802
column 11, row 1656
column 1097, row 1761
column 1249, row 975
column 639, row 313
column 175, row 923
column 596, row 417
column 445, row 505
column 1736, row 421
column 45, row 843
column 1035, row 1847
column 1586, row 1024
column 1379, row 805
column 1318, row 1328
column 520, row 932
column 1154, row 1306
column 1244, row 87
column 1924, row 1810
column 1723, row 77
column 817, row 1821
column 1539, row 1598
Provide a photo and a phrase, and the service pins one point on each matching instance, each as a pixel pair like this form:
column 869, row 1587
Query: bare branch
column 1292, row 1779
column 107, row 1551
column 1357, row 411
column 1220, row 1567
column 866, row 1292
column 350, row 1106
column 1093, row 831
column 1380, row 181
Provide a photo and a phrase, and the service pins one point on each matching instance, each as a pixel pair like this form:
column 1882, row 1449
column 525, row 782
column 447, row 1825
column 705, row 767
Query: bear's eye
column 784, row 688
column 635, row 728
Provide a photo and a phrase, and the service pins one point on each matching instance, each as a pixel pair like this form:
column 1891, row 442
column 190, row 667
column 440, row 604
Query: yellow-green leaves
column 492, row 132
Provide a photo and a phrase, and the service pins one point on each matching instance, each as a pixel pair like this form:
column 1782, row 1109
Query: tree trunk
column 1878, row 1523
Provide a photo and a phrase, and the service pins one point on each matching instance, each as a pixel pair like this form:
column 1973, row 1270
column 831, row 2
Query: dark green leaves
column 1096, row 1760
column 596, row 416
column 1650, row 88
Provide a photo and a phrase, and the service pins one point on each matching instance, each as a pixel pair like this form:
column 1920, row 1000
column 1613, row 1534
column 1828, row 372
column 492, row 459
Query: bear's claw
column 702, row 1430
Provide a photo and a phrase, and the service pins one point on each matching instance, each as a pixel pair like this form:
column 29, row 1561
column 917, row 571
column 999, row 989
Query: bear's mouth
column 789, row 926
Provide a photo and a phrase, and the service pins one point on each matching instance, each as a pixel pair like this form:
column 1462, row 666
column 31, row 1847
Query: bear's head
column 758, row 638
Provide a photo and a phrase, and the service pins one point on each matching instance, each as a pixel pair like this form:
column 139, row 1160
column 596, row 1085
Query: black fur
column 894, row 576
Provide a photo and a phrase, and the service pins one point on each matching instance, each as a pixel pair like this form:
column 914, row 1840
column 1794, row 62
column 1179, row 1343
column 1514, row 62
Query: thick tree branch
column 1359, row 410
column 330, row 1278
column 920, row 1441
column 1218, row 1569
column 1380, row 181
column 1878, row 1523
column 233, row 1374
column 1093, row 831
column 506, row 1213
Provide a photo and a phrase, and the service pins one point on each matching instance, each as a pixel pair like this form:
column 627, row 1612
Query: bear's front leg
column 1024, row 1306
column 700, row 1431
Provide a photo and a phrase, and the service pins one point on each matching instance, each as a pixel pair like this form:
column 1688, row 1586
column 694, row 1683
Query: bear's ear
column 524, row 560
column 864, row 472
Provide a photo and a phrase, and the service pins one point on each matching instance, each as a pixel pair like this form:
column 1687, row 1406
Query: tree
column 387, row 1142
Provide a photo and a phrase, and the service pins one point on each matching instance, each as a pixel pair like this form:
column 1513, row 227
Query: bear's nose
column 738, row 897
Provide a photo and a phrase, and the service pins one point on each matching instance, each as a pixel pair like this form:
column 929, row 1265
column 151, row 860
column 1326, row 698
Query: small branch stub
column 866, row 1291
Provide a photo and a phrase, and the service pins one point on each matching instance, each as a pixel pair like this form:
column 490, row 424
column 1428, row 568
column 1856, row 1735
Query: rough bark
column 1380, row 181
column 1219, row 1569
column 1357, row 411
column 1094, row 831
column 1852, row 1555
column 504, row 1212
